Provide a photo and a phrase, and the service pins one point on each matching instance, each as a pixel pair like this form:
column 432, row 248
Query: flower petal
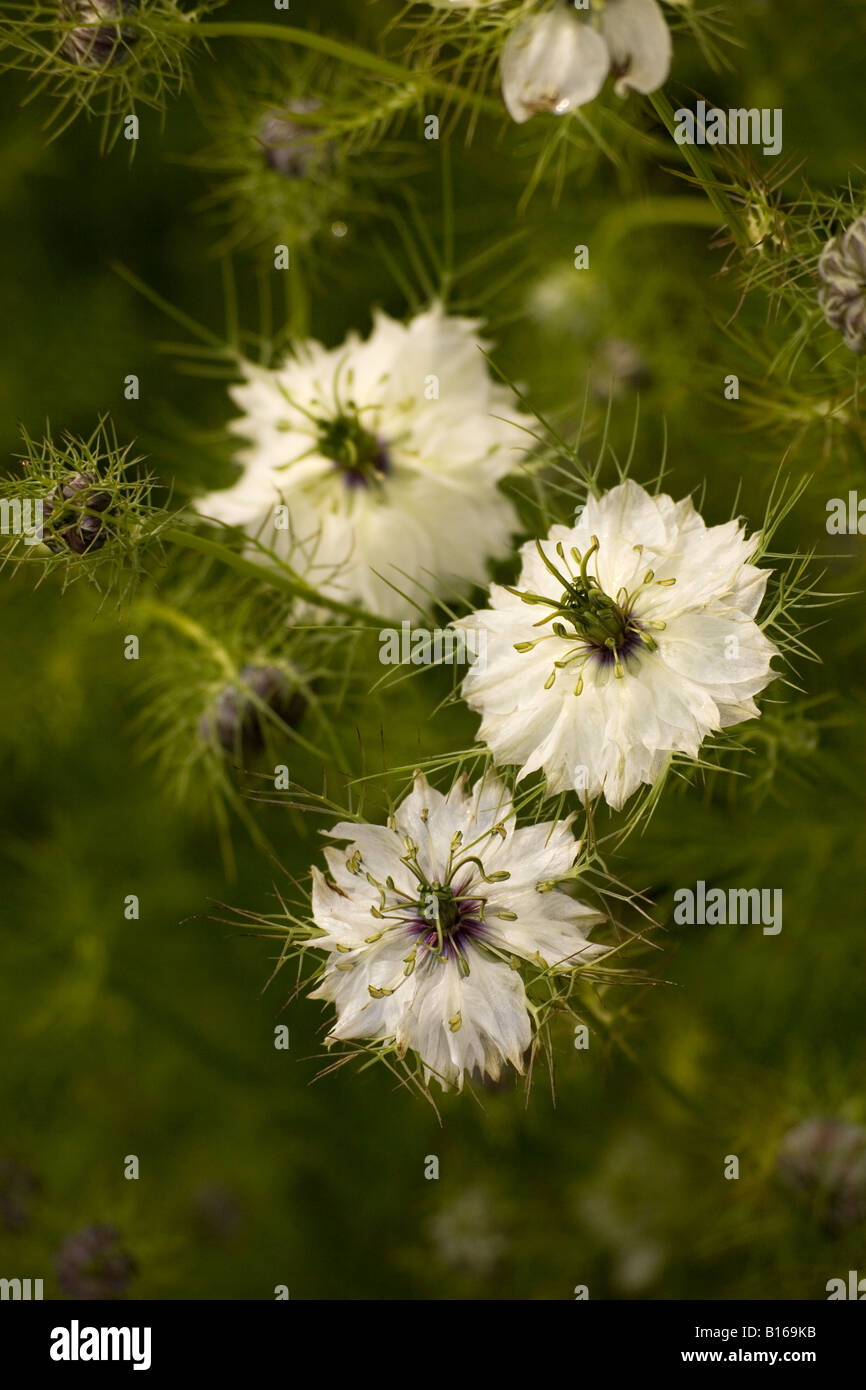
column 639, row 43
column 552, row 62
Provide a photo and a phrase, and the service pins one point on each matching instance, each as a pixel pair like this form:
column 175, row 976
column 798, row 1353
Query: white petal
column 381, row 849
column 711, row 658
column 550, row 929
column 552, row 62
column 494, row 1026
column 639, row 43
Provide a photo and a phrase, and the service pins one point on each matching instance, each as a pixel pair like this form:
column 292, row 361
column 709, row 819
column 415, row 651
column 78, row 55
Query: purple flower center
column 629, row 642
column 447, row 923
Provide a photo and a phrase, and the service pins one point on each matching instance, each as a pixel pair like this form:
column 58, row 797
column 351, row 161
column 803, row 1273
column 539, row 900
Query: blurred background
column 155, row 1037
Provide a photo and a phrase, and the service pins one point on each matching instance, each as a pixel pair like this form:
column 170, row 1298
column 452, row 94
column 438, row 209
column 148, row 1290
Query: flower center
column 438, row 904
column 605, row 629
column 361, row 457
column 442, row 916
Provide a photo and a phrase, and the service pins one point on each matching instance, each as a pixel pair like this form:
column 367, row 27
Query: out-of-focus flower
column 93, row 1264
column 385, row 456
column 466, row 1234
column 238, row 716
column 617, row 366
column 290, row 146
column 825, row 1160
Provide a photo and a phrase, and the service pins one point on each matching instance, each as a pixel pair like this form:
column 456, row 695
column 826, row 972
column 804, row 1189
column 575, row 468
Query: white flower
column 556, row 61
column 422, row 919
column 385, row 456
column 628, row 637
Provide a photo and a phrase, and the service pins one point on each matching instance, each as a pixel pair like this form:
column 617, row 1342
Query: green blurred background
column 154, row 1037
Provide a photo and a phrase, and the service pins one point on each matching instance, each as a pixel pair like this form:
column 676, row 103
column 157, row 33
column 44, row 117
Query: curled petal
column 639, row 43
column 552, row 62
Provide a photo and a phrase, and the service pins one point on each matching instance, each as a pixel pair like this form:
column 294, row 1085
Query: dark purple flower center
column 629, row 642
column 447, row 922
column 360, row 456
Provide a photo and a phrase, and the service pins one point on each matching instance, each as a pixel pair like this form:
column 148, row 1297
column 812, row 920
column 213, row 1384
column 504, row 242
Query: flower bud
column 73, row 512
column 96, row 45
column 842, row 295
column 93, row 1264
column 237, row 720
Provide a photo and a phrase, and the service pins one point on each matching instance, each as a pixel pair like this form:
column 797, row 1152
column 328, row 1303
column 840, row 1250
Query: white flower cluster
column 626, row 638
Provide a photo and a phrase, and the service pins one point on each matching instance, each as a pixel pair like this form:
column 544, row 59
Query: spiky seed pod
column 842, row 295
column 93, row 1264
column 290, row 147
column 74, row 512
column 825, row 1159
column 102, row 46
column 236, row 720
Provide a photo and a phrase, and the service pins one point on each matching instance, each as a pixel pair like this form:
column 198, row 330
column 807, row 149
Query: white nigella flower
column 423, row 920
column 557, row 61
column 627, row 637
column 384, row 456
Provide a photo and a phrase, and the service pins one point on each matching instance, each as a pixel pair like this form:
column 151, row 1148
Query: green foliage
column 155, row 1036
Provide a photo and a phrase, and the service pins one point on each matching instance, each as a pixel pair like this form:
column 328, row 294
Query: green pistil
column 586, row 613
column 438, row 906
column 355, row 451
column 433, row 902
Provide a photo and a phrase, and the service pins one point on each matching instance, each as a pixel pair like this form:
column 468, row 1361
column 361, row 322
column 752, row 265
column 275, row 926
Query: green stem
column 657, row 212
column 183, row 623
column 603, row 1022
column 702, row 169
column 331, row 48
column 189, row 540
